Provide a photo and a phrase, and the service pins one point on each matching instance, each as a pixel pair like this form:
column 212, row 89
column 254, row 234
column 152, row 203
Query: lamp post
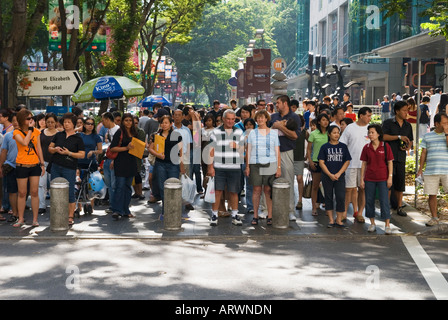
column 6, row 69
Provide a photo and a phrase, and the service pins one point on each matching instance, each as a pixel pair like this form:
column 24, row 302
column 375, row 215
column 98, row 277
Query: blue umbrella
column 150, row 101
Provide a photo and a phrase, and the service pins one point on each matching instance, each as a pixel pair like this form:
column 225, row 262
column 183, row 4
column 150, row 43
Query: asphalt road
column 306, row 268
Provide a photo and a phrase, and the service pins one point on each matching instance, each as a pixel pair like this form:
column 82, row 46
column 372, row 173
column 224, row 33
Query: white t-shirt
column 355, row 137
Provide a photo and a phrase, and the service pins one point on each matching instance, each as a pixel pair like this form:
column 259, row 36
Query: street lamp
column 259, row 35
column 6, row 69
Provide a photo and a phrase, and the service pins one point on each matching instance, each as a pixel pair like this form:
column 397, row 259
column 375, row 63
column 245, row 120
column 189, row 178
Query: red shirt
column 376, row 169
column 351, row 116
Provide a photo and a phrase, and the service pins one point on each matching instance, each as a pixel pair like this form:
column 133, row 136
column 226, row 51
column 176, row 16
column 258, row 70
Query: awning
column 421, row 46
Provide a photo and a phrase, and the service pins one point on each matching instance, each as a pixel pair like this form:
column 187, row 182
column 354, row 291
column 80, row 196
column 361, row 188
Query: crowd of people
column 244, row 149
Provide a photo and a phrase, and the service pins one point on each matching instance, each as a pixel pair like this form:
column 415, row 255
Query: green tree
column 436, row 11
column 222, row 28
column 19, row 20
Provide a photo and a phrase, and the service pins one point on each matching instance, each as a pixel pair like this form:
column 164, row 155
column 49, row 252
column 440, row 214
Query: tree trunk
column 14, row 44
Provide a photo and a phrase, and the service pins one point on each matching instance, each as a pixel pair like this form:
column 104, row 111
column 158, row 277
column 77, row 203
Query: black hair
column 363, row 111
column 210, row 116
column 319, row 117
column 399, row 105
column 438, row 117
column 378, row 129
column 347, row 120
column 249, row 120
column 331, row 128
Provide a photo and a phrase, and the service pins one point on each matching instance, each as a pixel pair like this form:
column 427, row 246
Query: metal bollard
column 172, row 204
column 59, row 204
column 280, row 203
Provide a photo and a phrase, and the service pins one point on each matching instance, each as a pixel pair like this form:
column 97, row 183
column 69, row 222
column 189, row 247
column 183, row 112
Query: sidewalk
column 196, row 225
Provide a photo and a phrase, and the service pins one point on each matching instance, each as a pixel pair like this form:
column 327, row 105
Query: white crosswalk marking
column 429, row 270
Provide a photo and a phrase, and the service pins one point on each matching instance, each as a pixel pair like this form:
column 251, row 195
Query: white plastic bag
column 210, row 192
column 188, row 189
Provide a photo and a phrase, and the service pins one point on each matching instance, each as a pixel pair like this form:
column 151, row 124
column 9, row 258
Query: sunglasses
column 89, row 123
column 29, row 118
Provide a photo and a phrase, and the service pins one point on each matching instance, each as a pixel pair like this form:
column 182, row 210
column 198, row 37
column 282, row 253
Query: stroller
column 89, row 186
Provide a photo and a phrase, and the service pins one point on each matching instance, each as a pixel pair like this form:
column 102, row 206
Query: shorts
column 298, row 168
column 432, row 183
column 11, row 182
column 352, row 178
column 399, row 176
column 25, row 172
column 256, row 178
column 230, row 179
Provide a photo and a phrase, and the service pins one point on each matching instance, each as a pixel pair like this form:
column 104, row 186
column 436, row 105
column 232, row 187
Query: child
column 376, row 172
column 334, row 158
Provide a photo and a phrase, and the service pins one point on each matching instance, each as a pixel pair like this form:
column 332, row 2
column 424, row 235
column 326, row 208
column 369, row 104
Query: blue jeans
column 122, row 199
column 165, row 170
column 109, row 180
column 383, row 192
column 58, row 171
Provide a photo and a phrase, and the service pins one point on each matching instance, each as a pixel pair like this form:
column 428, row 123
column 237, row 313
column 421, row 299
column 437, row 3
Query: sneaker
column 236, row 220
column 372, row 228
column 292, row 217
column 432, row 222
column 214, row 221
column 388, row 230
column 109, row 210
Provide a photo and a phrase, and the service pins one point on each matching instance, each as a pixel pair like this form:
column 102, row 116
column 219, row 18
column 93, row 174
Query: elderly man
column 226, row 152
column 435, row 155
column 287, row 139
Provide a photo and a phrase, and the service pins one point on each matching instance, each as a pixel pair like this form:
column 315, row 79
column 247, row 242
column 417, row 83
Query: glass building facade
column 368, row 29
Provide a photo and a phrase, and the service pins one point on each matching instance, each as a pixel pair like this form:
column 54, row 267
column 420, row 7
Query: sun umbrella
column 108, row 87
column 150, row 101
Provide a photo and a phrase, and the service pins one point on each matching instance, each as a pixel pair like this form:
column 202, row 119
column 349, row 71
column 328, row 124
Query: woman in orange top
column 29, row 164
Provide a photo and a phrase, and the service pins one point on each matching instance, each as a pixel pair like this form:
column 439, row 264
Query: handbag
column 6, row 168
column 308, row 186
column 151, row 159
column 110, row 154
column 210, row 191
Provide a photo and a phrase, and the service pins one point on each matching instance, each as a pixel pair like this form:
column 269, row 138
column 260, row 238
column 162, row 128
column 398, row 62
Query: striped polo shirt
column 226, row 157
column 437, row 153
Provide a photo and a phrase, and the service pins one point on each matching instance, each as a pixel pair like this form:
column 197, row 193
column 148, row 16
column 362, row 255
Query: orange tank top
column 27, row 154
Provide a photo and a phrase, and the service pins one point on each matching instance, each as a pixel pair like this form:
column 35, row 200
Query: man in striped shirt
column 435, row 155
column 226, row 151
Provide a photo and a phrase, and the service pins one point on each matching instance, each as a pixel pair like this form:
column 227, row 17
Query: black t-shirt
column 125, row 164
column 73, row 143
column 171, row 141
column 391, row 127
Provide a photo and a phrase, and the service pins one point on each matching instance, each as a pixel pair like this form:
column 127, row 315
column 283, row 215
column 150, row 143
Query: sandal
column 269, row 221
column 35, row 224
column 359, row 218
column 254, row 221
column 18, row 224
column 2, row 218
column 71, row 221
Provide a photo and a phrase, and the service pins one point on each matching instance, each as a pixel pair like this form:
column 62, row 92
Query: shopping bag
column 210, row 191
column 308, row 185
column 188, row 189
